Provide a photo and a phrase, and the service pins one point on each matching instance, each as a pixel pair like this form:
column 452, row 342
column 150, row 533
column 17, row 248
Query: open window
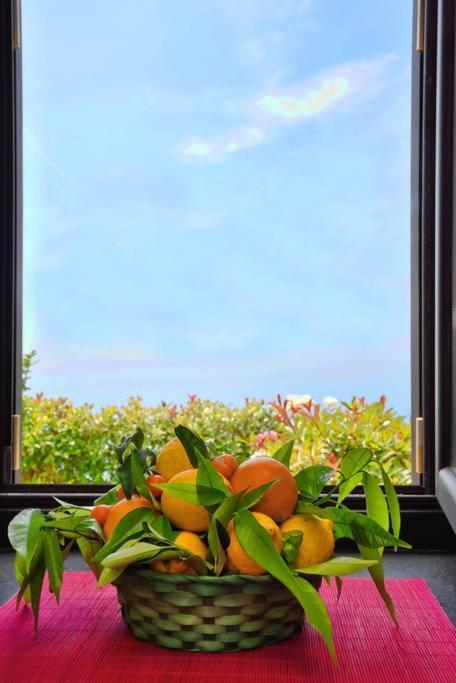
column 203, row 154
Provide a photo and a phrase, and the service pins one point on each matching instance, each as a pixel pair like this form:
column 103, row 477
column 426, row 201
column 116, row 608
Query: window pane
column 216, row 204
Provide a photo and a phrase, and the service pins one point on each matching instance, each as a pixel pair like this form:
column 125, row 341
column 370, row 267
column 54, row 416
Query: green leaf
column 129, row 525
column 138, row 481
column 108, row 498
column 376, row 505
column 338, row 566
column 257, row 543
column 215, row 537
column 339, row 585
column 358, row 527
column 284, row 453
column 192, row 443
column 108, row 575
column 163, row 527
column 125, row 478
column 139, row 552
column 24, row 534
column 53, row 560
column 291, row 543
column 37, row 571
column 352, row 464
column 255, row 495
column 377, row 574
column 208, row 476
column 393, row 503
column 313, row 479
column 88, row 549
column 137, row 439
column 191, row 493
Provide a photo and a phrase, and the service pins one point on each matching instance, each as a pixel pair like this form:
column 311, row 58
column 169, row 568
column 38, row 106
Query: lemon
column 183, row 515
column 172, row 459
column 317, row 543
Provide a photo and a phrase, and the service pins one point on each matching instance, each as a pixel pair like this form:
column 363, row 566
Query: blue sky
column 217, row 198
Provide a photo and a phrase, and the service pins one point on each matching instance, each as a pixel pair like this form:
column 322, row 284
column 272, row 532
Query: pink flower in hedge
column 383, row 400
column 192, row 398
column 332, row 461
column 271, row 435
column 172, row 411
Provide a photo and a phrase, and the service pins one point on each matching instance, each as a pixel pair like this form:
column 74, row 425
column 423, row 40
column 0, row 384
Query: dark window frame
column 424, row 522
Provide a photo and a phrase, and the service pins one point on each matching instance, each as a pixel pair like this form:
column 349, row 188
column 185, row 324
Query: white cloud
column 316, row 96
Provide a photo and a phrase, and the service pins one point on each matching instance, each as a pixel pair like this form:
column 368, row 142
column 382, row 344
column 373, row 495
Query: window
column 239, row 224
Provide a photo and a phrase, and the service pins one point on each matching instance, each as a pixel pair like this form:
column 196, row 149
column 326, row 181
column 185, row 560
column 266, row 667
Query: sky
column 216, row 198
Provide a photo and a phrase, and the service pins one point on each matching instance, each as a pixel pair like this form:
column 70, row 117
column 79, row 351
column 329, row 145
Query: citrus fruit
column 237, row 559
column 192, row 543
column 122, row 508
column 120, row 493
column 185, row 516
column 100, row 513
column 155, row 479
column 317, row 543
column 225, row 465
column 280, row 500
column 172, row 459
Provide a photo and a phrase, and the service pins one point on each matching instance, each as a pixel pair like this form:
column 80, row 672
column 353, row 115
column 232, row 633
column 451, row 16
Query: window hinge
column 419, row 445
column 420, row 25
column 16, row 442
column 16, row 24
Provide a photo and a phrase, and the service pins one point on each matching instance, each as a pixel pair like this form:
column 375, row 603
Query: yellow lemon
column 183, row 515
column 192, row 543
column 172, row 459
column 317, row 543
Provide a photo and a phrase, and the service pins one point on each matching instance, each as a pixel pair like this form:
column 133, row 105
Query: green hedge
column 68, row 443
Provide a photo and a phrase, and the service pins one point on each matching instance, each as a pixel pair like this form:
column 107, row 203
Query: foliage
column 42, row 541
column 68, row 443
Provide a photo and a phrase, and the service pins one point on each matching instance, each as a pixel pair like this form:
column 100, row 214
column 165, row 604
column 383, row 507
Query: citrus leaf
column 257, row 543
column 255, row 495
column 376, row 505
column 37, row 571
column 352, row 464
column 129, row 525
column 138, row 481
column 208, row 476
column 291, row 543
column 163, row 527
column 393, row 503
column 88, row 549
column 24, row 534
column 338, row 566
column 139, row 552
column 284, row 453
column 108, row 575
column 313, row 479
column 192, row 493
column 360, row 528
column 108, row 498
column 192, row 444
column 221, row 518
column 53, row 560
column 377, row 574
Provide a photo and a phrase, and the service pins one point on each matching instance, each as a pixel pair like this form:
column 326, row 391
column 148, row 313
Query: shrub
column 67, row 443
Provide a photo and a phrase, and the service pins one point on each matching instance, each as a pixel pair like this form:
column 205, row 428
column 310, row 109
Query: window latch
column 16, row 444
column 419, row 445
column 420, row 25
column 16, row 24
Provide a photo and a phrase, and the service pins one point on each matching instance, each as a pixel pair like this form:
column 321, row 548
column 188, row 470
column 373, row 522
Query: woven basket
column 207, row 613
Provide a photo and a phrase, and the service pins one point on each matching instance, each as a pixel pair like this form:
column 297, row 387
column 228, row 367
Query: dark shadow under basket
column 208, row 613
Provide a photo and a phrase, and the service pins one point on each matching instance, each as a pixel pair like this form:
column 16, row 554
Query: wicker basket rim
column 227, row 579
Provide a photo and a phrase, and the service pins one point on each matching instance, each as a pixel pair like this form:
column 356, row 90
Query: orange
column 183, row 515
column 317, row 543
column 122, row 508
column 120, row 493
column 100, row 513
column 280, row 500
column 225, row 465
column 237, row 560
column 155, row 479
column 172, row 459
column 192, row 543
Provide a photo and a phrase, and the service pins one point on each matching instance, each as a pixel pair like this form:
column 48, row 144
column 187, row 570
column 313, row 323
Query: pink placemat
column 85, row 639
